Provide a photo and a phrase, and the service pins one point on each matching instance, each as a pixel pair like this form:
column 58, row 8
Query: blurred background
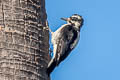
column 97, row 55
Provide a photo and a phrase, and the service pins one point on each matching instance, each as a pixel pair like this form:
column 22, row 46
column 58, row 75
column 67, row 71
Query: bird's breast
column 55, row 37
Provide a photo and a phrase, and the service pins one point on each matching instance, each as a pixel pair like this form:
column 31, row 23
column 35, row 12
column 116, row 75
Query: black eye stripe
column 75, row 19
column 79, row 20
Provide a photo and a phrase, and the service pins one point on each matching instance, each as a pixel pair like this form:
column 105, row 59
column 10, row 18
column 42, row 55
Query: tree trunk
column 24, row 40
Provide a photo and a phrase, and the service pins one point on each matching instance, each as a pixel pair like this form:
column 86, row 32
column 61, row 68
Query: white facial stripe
column 77, row 16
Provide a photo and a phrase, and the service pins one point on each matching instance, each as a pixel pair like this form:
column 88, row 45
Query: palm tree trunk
column 24, row 40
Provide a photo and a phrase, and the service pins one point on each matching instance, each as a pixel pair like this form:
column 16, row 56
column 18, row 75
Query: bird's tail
column 51, row 66
column 53, row 62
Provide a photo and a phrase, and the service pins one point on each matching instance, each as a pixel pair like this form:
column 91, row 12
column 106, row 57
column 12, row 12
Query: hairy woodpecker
column 64, row 40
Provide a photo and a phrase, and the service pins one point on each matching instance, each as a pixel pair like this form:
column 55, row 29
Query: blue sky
column 97, row 55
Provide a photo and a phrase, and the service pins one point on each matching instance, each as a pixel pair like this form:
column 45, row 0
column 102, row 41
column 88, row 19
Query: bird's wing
column 63, row 45
column 66, row 39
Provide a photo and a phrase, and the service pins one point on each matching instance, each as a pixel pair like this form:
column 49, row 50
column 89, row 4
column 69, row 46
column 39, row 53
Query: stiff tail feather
column 51, row 66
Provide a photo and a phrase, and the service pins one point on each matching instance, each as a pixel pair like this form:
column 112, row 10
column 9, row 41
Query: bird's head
column 75, row 20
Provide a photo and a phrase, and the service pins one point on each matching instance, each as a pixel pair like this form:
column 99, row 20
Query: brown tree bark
column 24, row 40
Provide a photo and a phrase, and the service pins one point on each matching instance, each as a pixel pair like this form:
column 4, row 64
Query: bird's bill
column 66, row 19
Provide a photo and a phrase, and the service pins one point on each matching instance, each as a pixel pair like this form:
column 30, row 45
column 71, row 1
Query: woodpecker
column 64, row 40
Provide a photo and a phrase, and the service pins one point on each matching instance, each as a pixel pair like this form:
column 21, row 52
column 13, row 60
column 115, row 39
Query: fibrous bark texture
column 24, row 44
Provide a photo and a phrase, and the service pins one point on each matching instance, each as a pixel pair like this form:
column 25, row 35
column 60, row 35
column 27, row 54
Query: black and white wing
column 66, row 41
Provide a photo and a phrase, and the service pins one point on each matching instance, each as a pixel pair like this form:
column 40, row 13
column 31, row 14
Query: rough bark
column 24, row 44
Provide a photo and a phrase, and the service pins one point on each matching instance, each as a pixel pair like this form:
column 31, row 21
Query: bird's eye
column 79, row 20
column 74, row 19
